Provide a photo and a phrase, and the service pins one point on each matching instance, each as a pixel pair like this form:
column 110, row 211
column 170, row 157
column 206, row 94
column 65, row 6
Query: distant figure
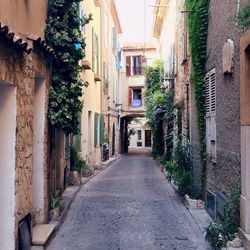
column 105, row 151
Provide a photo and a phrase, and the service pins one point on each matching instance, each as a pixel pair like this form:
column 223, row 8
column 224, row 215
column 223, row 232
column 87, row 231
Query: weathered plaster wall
column 20, row 68
column 24, row 11
column 226, row 172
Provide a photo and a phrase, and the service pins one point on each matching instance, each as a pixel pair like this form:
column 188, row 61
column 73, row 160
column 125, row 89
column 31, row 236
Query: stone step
column 41, row 234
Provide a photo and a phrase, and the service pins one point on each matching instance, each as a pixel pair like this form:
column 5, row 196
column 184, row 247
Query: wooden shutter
column 210, row 81
column 207, row 82
column 97, row 53
column 128, row 65
column 130, row 90
column 213, row 92
column 93, row 49
column 95, row 129
column 102, row 129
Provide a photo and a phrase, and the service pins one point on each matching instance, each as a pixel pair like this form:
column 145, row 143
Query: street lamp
column 165, row 83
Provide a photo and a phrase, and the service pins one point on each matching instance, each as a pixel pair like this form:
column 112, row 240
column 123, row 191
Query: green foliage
column 64, row 36
column 242, row 19
column 159, row 106
column 76, row 161
column 226, row 230
column 179, row 170
column 198, row 28
column 214, row 234
column 56, row 201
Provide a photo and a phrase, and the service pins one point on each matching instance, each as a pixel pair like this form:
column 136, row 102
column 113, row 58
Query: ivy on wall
column 197, row 18
column 64, row 35
column 159, row 107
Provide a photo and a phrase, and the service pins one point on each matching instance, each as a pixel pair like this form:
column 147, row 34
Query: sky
column 131, row 13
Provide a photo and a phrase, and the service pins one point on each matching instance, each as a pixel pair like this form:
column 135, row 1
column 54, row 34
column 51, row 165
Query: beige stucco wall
column 134, row 81
column 24, row 16
column 92, row 93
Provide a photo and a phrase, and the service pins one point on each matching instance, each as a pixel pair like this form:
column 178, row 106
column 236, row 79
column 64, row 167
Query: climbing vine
column 197, row 18
column 63, row 34
column 242, row 18
column 159, row 107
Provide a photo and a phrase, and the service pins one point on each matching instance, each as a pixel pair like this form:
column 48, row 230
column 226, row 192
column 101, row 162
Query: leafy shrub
column 76, row 161
column 56, row 201
column 226, row 230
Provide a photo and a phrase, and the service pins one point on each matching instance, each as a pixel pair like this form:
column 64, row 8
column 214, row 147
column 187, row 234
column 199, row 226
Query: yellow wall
column 91, row 94
column 24, row 16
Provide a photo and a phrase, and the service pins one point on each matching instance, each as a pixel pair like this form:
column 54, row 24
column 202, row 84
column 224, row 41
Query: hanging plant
column 64, row 35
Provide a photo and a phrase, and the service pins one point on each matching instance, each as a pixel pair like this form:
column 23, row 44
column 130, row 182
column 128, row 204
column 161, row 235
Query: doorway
column 147, row 138
column 7, row 163
column 39, row 156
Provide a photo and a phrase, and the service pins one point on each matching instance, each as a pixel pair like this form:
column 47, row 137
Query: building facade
column 99, row 120
column 24, row 82
column 133, row 56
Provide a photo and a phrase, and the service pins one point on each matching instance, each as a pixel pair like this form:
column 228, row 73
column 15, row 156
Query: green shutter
column 96, row 129
column 102, row 129
column 93, row 49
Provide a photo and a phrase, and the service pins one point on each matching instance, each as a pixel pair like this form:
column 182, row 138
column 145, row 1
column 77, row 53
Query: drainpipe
column 238, row 6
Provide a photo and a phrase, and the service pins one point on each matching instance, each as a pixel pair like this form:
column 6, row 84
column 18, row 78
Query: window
column 135, row 97
column 210, row 80
column 139, row 144
column 133, row 65
column 114, row 43
column 137, row 65
column 82, row 14
column 139, row 135
column 95, row 52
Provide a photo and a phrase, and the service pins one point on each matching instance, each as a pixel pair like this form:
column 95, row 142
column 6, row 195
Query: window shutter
column 102, row 129
column 95, row 128
column 212, row 138
column 207, row 82
column 210, row 80
column 93, row 49
column 114, row 38
column 97, row 53
column 208, row 138
column 128, row 65
column 130, row 96
column 213, row 92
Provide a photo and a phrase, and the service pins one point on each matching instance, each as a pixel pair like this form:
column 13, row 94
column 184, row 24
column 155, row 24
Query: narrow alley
column 130, row 205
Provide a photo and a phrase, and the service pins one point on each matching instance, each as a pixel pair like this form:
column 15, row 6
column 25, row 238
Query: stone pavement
column 127, row 206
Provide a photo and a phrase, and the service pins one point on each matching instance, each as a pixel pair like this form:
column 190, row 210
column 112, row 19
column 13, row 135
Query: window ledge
column 97, row 78
column 97, row 3
column 86, row 64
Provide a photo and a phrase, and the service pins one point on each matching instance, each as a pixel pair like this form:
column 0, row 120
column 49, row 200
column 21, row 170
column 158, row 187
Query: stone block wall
column 225, row 173
column 20, row 68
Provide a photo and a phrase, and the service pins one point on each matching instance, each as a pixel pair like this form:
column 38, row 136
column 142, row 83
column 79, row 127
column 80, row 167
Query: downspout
column 238, row 6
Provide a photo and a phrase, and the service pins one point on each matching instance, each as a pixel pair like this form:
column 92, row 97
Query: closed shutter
column 130, row 90
column 102, row 129
column 128, row 65
column 210, row 80
column 97, row 54
column 93, row 49
column 95, row 129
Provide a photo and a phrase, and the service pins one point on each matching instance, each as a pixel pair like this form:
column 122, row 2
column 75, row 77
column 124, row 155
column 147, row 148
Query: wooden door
column 147, row 138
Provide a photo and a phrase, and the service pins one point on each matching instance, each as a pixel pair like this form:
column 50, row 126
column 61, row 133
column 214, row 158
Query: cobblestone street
column 129, row 206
